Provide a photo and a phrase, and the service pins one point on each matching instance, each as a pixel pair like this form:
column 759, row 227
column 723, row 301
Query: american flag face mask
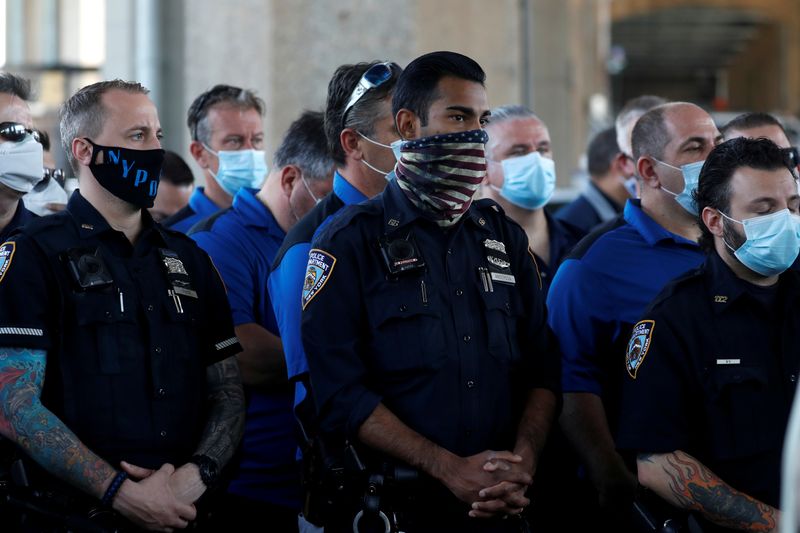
column 440, row 174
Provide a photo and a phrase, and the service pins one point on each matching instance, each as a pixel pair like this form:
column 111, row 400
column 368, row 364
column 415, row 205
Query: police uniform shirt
column 603, row 287
column 562, row 239
column 451, row 348
column 288, row 271
column 242, row 241
column 589, row 210
column 21, row 217
column 200, row 207
column 126, row 355
column 711, row 370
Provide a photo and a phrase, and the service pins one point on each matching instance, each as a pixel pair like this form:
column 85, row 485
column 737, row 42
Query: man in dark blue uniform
column 243, row 241
column 608, row 280
column 521, row 177
column 359, row 129
column 424, row 322
column 712, row 366
column 227, row 132
column 131, row 327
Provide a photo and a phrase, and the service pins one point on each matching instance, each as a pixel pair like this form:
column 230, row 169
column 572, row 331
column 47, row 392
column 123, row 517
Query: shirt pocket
column 503, row 310
column 406, row 325
column 183, row 334
column 108, row 339
column 742, row 412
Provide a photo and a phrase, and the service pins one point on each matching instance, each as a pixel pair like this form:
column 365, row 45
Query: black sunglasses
column 792, row 155
column 16, row 132
column 57, row 174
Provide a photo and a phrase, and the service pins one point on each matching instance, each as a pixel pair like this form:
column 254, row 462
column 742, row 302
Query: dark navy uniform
column 446, row 328
column 21, row 217
column 711, row 370
column 129, row 330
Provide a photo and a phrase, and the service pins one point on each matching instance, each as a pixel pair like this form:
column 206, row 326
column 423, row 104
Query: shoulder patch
column 638, row 346
column 6, row 255
column 318, row 272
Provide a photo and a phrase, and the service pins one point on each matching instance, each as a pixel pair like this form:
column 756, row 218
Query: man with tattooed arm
column 117, row 367
column 712, row 367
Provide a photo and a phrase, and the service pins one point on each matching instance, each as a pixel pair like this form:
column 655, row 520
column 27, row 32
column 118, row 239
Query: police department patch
column 6, row 255
column 638, row 346
column 318, row 272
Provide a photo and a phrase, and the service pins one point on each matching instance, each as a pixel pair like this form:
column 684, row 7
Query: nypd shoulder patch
column 318, row 272
column 638, row 346
column 6, row 255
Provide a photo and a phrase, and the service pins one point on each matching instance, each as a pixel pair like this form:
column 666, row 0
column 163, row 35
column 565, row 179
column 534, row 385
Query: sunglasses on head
column 792, row 155
column 16, row 132
column 375, row 76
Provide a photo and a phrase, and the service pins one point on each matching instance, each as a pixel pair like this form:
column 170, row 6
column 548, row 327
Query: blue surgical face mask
column 773, row 242
column 386, row 175
column 239, row 169
column 691, row 175
column 630, row 186
column 529, row 180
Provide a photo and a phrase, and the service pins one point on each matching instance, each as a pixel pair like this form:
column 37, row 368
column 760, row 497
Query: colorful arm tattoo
column 37, row 431
column 690, row 485
column 225, row 423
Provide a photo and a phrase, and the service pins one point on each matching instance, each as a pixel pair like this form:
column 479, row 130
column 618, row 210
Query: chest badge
column 499, row 263
column 638, row 345
column 318, row 272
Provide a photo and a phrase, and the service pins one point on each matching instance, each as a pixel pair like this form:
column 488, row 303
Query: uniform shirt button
column 793, row 378
column 108, row 314
column 403, row 307
column 449, row 251
column 163, row 433
column 467, row 338
column 158, row 349
column 459, row 292
column 150, row 307
column 470, row 384
column 161, row 392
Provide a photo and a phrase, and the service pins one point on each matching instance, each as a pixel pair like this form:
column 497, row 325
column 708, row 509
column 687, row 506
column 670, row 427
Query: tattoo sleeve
column 225, row 423
column 37, row 431
column 685, row 482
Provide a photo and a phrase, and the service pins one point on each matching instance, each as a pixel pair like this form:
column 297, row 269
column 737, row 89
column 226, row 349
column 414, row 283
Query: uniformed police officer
column 129, row 324
column 424, row 322
column 712, row 366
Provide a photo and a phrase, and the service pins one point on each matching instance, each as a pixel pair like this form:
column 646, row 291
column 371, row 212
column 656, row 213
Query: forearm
column 261, row 362
column 686, row 483
column 385, row 432
column 225, row 423
column 535, row 424
column 585, row 425
column 38, row 431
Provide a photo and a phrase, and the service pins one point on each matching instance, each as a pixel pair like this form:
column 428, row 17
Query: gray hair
column 511, row 112
column 197, row 116
column 306, row 146
column 630, row 113
column 82, row 114
column 13, row 84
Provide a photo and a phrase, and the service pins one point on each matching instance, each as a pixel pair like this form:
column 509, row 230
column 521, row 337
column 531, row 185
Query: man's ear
column 713, row 220
column 82, row 152
column 646, row 168
column 350, row 141
column 408, row 124
column 200, row 154
column 290, row 178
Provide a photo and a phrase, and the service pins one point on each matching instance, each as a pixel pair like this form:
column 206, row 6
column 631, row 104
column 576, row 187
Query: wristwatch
column 209, row 471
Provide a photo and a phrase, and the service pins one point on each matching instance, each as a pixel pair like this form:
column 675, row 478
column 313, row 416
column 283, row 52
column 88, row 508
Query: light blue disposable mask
column 239, row 169
column 529, row 180
column 630, row 186
column 391, row 147
column 773, row 242
column 691, row 175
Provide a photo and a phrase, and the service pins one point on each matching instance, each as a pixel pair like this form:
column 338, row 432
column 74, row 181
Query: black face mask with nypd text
column 130, row 175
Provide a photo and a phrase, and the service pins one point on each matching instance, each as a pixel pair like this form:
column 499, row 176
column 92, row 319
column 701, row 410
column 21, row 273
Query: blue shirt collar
column 650, row 230
column 254, row 213
column 201, row 204
column 345, row 191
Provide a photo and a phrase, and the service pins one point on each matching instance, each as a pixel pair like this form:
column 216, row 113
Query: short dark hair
column 417, row 86
column 713, row 189
column 306, row 146
column 747, row 121
column 197, row 116
column 650, row 135
column 363, row 115
column 82, row 114
column 602, row 151
column 175, row 170
column 16, row 85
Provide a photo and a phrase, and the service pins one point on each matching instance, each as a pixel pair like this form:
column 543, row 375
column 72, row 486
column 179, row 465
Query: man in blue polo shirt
column 359, row 128
column 605, row 284
column 227, row 142
column 243, row 241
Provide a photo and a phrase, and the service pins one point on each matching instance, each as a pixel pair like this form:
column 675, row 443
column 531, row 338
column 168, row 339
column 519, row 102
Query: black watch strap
column 209, row 471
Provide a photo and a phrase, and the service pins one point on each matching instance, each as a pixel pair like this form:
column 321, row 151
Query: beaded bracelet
column 113, row 488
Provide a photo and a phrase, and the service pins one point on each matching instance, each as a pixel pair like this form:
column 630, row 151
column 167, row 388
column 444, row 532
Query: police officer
column 424, row 321
column 227, row 132
column 604, row 285
column 712, row 366
column 243, row 241
column 142, row 404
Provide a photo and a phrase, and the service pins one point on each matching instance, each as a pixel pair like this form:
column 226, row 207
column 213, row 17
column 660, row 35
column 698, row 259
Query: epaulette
column 346, row 215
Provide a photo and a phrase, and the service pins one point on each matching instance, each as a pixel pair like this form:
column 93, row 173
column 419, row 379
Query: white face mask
column 21, row 164
column 390, row 147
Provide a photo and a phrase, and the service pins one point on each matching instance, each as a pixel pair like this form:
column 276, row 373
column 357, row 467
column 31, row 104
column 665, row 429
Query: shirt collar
column 91, row 223
column 21, row 217
column 345, row 191
column 201, row 204
column 650, row 230
column 254, row 213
